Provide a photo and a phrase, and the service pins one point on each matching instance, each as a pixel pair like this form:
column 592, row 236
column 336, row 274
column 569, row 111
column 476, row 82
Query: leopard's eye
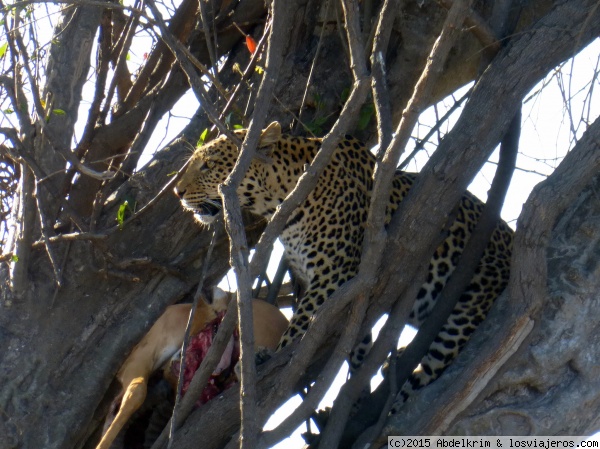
column 207, row 165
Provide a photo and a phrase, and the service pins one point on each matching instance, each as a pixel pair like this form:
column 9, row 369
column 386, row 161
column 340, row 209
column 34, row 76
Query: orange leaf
column 251, row 44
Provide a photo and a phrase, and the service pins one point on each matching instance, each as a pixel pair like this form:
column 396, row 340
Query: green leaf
column 59, row 112
column 121, row 213
column 3, row 49
column 345, row 95
column 258, row 69
column 173, row 173
column 8, row 111
column 319, row 104
column 127, row 56
column 202, row 138
column 238, row 127
column 364, row 117
column 14, row 258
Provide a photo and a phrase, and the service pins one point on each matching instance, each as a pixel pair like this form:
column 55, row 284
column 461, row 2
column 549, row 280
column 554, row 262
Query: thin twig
column 188, row 68
column 70, row 238
column 74, row 3
column 14, row 89
column 205, row 71
column 233, row 222
column 168, row 187
column 205, row 370
column 123, row 46
column 247, row 73
column 184, row 55
column 24, row 154
column 159, row 62
column 130, row 160
column 312, row 67
column 381, row 98
column 103, row 61
column 188, row 331
column 46, row 226
column 15, row 36
column 421, row 142
column 207, row 37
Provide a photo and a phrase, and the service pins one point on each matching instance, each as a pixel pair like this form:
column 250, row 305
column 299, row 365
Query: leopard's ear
column 269, row 137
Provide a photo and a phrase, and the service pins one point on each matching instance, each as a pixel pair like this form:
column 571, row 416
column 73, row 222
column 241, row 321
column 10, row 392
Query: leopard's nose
column 179, row 192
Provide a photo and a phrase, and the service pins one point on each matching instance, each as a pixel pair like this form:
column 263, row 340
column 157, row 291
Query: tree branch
column 25, row 236
column 233, row 223
column 457, row 284
column 471, row 142
column 421, row 142
column 307, row 182
column 188, row 68
column 159, row 63
column 17, row 44
column 479, row 27
column 186, row 339
column 120, row 65
column 518, row 314
column 374, row 240
column 379, row 86
column 25, row 155
column 323, row 382
column 201, row 376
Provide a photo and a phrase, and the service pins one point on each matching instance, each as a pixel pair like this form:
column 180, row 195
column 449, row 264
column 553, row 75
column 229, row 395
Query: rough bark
column 62, row 351
column 535, row 360
column 67, row 72
column 61, row 347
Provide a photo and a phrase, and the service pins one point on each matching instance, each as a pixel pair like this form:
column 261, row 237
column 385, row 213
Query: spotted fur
column 323, row 238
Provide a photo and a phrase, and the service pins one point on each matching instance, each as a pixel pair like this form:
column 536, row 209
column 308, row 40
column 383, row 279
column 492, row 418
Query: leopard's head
column 210, row 165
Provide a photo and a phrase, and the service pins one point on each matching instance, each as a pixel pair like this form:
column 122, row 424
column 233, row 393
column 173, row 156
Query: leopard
column 322, row 239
